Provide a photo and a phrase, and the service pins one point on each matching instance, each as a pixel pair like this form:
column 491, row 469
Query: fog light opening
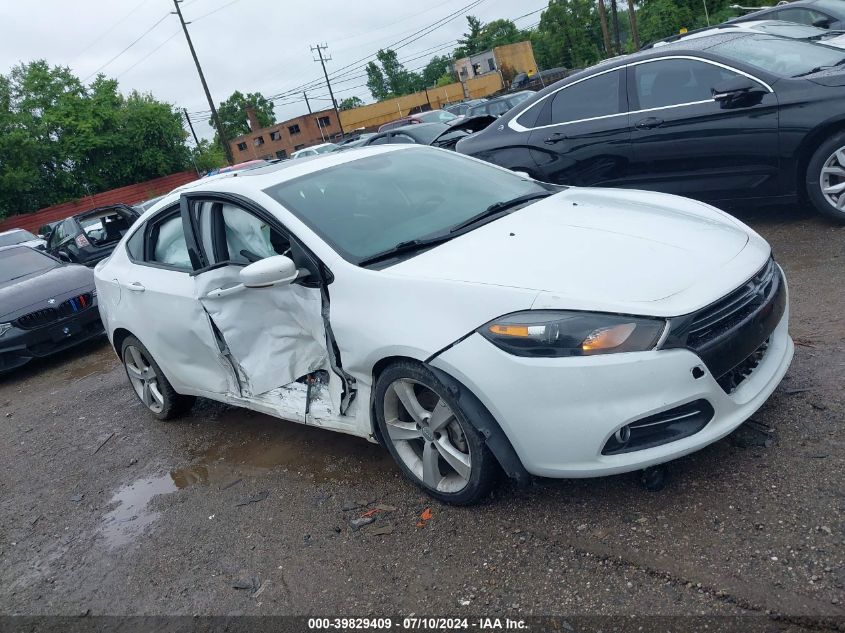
column 623, row 435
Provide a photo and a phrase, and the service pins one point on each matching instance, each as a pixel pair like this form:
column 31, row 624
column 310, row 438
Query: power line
column 138, row 39
column 420, row 33
column 119, row 75
column 110, row 29
column 220, row 8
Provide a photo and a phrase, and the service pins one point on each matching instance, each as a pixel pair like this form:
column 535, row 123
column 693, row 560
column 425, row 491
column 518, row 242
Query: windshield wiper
column 818, row 69
column 405, row 247
column 498, row 207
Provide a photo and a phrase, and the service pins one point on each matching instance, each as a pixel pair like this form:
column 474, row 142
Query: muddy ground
column 104, row 510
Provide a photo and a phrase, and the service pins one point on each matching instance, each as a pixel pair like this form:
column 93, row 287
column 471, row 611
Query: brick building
column 281, row 139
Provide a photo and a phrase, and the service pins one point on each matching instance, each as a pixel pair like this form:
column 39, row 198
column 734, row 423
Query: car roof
column 11, row 231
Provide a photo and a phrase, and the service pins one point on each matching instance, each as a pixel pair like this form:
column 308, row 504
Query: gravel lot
column 104, row 510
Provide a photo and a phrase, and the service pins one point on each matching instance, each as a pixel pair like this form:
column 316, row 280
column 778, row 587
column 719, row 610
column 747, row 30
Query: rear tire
column 431, row 437
column 149, row 382
column 826, row 178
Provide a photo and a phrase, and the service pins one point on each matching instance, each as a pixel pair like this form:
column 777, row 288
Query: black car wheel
column 150, row 384
column 826, row 178
column 431, row 437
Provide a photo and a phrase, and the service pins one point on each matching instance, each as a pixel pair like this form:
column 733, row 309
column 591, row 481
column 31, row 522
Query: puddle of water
column 318, row 454
column 98, row 360
column 123, row 524
column 270, row 444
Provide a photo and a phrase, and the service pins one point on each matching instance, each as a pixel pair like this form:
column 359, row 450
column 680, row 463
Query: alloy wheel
column 832, row 179
column 144, row 379
column 427, row 436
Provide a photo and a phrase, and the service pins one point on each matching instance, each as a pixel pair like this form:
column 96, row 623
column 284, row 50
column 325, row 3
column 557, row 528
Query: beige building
column 513, row 58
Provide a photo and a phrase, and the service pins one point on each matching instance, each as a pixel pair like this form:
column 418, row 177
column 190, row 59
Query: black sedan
column 88, row 237
column 727, row 118
column 824, row 14
column 46, row 306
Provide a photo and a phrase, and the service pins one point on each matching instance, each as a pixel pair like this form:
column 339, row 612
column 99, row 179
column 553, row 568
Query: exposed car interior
column 105, row 226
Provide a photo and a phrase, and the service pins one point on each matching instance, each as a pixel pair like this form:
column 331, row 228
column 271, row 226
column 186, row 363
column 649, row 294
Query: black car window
column 529, row 117
column 594, row 97
column 166, row 244
column 671, row 82
column 22, row 261
column 379, row 140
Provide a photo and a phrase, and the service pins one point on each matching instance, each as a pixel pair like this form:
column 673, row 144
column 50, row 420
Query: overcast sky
column 246, row 45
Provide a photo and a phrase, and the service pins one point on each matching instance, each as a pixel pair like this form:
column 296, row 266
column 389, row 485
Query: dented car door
column 271, row 335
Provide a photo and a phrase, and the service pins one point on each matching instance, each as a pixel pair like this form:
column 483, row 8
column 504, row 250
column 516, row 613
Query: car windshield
column 789, row 29
column 367, row 206
column 16, row 237
column 784, row 57
column 23, row 261
column 325, row 149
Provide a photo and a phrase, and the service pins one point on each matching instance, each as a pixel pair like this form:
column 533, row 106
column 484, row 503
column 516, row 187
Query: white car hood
column 599, row 247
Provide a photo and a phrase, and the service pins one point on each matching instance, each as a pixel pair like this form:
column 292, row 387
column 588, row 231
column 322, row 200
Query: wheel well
column 120, row 335
column 484, row 421
column 808, row 148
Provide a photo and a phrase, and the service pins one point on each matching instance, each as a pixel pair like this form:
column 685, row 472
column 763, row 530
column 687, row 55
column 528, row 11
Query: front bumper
column 559, row 413
column 19, row 346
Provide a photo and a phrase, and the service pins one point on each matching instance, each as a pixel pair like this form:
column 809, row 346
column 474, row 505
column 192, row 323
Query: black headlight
column 555, row 333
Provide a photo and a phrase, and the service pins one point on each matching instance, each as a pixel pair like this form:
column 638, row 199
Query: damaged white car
column 470, row 319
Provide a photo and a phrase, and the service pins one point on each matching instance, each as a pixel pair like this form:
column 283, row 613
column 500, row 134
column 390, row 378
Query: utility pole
column 632, row 16
column 320, row 48
column 307, row 103
column 191, row 125
column 604, row 33
column 216, row 117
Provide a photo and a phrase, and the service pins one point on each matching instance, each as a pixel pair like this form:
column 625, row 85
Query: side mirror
column 738, row 92
column 269, row 271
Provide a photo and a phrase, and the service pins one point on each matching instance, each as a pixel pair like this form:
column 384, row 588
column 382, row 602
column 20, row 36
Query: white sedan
column 468, row 318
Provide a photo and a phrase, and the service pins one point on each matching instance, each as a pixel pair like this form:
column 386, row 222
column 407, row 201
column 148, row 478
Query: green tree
column 208, row 155
column 657, row 19
column 60, row 139
column 435, row 69
column 482, row 37
column 389, row 78
column 470, row 43
column 233, row 116
column 349, row 103
column 568, row 35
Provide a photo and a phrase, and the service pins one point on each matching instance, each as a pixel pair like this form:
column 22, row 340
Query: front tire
column 149, row 383
column 431, row 437
column 826, row 178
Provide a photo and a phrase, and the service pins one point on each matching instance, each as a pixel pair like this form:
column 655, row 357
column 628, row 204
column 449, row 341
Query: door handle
column 135, row 287
column 648, row 123
column 557, row 137
column 218, row 293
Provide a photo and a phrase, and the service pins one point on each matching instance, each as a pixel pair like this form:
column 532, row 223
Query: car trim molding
column 517, row 127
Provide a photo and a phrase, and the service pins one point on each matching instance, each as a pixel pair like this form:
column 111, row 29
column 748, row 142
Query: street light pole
column 320, row 48
column 215, row 117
